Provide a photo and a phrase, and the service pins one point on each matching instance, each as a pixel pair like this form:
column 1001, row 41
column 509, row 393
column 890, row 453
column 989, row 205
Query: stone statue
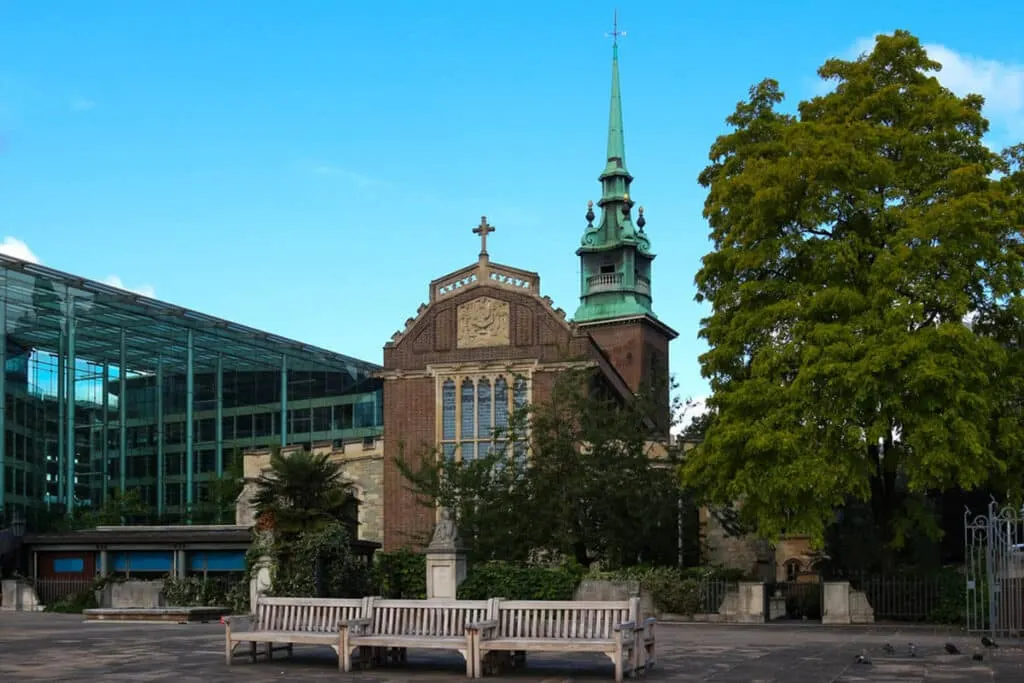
column 445, row 532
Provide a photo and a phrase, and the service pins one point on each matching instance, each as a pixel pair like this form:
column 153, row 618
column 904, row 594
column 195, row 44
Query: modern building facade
column 105, row 391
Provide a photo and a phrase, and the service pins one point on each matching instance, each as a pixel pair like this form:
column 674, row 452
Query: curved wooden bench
column 392, row 626
column 307, row 621
column 611, row 628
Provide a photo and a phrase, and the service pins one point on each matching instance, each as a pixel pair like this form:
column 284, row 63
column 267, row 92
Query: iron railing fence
column 803, row 598
column 908, row 597
column 51, row 590
column 712, row 594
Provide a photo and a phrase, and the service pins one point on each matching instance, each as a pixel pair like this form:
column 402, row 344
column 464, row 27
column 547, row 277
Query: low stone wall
column 591, row 589
column 745, row 605
column 18, row 596
column 131, row 595
column 844, row 605
column 174, row 615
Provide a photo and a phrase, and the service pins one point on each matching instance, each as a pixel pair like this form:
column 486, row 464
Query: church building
column 488, row 341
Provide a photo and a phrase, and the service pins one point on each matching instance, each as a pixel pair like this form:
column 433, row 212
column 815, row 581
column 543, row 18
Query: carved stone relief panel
column 483, row 322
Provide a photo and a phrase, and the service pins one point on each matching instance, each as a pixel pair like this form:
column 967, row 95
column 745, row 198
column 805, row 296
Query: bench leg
column 229, row 651
column 618, row 666
column 270, row 651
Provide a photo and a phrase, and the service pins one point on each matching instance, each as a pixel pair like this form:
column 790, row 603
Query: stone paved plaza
column 55, row 647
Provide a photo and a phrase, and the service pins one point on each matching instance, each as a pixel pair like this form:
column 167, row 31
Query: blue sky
column 308, row 167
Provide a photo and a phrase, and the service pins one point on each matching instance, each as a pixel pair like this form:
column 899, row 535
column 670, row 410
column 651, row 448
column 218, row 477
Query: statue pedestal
column 446, row 569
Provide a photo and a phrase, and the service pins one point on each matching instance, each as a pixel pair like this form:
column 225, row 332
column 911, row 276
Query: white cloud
column 691, row 410
column 1000, row 83
column 82, row 104
column 12, row 246
column 144, row 290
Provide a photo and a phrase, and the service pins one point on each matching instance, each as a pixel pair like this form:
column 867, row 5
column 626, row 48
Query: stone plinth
column 835, row 607
column 131, row 595
column 446, row 569
column 19, row 596
column 746, row 605
column 446, row 559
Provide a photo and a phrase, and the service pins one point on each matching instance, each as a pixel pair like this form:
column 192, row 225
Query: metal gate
column 994, row 559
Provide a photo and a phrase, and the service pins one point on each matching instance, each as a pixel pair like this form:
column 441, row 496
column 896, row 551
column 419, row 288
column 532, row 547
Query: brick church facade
column 488, row 342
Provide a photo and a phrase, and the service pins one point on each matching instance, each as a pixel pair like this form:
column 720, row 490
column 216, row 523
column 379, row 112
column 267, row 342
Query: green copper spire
column 615, row 255
column 616, row 141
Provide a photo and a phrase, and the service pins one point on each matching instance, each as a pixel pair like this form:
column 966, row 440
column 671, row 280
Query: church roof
column 482, row 273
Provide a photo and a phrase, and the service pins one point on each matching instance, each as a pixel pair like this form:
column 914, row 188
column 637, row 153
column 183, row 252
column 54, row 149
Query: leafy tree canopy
column 304, row 492
column 587, row 492
column 851, row 240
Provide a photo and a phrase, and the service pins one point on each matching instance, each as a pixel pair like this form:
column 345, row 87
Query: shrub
column 319, row 563
column 74, row 604
column 679, row 591
column 951, row 599
column 515, row 582
column 401, row 575
column 197, row 591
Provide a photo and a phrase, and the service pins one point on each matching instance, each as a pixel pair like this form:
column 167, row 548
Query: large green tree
column 851, row 240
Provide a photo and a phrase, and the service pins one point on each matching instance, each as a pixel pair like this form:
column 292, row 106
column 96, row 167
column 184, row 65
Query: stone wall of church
column 721, row 550
column 362, row 464
column 532, row 331
column 409, row 416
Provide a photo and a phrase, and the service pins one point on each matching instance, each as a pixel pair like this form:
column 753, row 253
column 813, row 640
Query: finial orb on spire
column 590, row 213
column 640, row 220
column 615, row 33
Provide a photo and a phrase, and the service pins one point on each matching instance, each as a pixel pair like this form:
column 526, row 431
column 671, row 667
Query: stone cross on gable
column 483, row 230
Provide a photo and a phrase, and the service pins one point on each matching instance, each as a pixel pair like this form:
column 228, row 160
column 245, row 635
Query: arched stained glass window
column 484, row 424
column 475, row 415
column 448, row 419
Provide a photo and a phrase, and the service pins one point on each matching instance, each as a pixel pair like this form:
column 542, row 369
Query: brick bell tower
column 615, row 273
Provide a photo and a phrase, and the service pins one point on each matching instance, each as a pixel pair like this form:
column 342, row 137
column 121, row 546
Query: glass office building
column 105, row 390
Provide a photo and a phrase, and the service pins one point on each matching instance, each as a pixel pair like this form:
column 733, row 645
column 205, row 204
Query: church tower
column 615, row 269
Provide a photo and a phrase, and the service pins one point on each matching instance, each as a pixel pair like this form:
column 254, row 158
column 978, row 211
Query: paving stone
column 57, row 647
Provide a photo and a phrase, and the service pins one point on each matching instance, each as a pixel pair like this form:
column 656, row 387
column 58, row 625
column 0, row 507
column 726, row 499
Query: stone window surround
column 510, row 372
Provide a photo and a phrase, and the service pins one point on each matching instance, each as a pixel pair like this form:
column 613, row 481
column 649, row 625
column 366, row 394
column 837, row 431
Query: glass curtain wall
column 106, row 391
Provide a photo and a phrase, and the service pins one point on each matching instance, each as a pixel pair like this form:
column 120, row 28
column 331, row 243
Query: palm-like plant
column 304, row 491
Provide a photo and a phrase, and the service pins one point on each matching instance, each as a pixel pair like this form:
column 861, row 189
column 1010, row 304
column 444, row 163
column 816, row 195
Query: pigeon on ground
column 888, row 649
column 977, row 657
column 861, row 659
column 952, row 649
column 912, row 649
column 988, row 642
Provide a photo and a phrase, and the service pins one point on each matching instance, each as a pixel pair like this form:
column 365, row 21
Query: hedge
column 516, row 582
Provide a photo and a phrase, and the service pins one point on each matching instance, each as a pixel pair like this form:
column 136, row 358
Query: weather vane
column 615, row 33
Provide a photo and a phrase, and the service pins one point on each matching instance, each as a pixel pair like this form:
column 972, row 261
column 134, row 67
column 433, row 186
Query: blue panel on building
column 69, row 565
column 217, row 561
column 143, row 561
